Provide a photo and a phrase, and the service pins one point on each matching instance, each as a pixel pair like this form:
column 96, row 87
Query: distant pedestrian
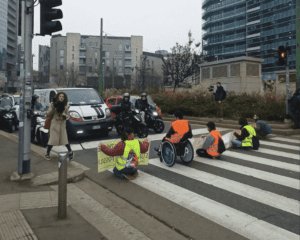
column 261, row 127
column 59, row 113
column 246, row 138
column 294, row 108
column 220, row 96
column 210, row 148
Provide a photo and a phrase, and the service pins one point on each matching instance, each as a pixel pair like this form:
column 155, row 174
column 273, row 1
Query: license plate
column 96, row 127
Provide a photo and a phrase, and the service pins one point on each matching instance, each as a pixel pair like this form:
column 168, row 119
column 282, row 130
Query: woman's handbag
column 47, row 123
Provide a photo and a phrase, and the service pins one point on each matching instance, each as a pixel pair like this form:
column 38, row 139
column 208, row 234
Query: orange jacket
column 213, row 149
column 180, row 128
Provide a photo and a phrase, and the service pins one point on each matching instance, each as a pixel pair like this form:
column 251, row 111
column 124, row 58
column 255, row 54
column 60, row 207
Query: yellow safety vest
column 130, row 145
column 247, row 142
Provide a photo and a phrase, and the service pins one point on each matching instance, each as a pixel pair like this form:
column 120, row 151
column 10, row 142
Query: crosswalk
column 253, row 193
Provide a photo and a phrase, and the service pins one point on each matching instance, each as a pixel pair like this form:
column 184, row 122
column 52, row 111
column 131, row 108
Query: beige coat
column 58, row 132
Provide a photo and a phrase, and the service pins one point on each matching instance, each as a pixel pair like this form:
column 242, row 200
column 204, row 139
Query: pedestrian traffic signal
column 282, row 55
column 49, row 13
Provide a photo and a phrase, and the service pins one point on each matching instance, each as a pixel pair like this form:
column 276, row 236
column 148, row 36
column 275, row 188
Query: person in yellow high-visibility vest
column 246, row 138
column 128, row 152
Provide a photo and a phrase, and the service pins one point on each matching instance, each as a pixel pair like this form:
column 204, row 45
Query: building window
column 61, row 53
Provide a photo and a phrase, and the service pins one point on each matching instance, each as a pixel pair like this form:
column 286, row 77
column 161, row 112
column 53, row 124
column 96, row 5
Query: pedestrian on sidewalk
column 220, row 96
column 246, row 137
column 211, row 147
column 128, row 152
column 294, row 108
column 261, row 127
column 59, row 113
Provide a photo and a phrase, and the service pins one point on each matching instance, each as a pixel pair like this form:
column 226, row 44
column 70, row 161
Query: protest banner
column 106, row 162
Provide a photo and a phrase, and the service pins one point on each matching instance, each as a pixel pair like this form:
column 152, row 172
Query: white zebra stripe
column 265, row 161
column 279, row 153
column 265, row 197
column 271, row 177
column 286, row 139
column 281, row 145
column 239, row 222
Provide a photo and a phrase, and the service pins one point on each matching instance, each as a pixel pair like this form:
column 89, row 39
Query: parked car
column 8, row 117
column 89, row 114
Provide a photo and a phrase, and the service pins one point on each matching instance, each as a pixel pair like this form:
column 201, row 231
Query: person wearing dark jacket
column 246, row 139
column 220, row 96
column 294, row 108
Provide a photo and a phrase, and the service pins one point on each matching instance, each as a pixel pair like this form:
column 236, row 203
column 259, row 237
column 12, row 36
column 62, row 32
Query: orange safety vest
column 180, row 128
column 213, row 149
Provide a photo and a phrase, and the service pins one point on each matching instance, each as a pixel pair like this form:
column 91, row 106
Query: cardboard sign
column 106, row 162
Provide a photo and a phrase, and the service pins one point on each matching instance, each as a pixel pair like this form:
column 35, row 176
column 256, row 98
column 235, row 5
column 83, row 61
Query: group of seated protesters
column 129, row 149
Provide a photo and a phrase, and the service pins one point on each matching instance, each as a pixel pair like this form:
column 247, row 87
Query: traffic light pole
column 287, row 85
column 25, row 103
column 101, row 70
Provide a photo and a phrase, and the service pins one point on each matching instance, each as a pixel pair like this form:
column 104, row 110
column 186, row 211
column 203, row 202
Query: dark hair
column 60, row 106
column 218, row 83
column 211, row 126
column 178, row 114
column 243, row 121
column 126, row 133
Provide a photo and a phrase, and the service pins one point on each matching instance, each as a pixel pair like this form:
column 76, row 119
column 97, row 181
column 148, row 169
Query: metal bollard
column 62, row 185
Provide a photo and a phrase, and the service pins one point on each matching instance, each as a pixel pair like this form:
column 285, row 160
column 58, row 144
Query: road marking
column 256, row 194
column 264, row 161
column 279, row 153
column 271, row 177
column 237, row 221
column 286, row 139
column 281, row 145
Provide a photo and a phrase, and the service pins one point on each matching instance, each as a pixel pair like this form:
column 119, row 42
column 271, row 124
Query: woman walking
column 58, row 113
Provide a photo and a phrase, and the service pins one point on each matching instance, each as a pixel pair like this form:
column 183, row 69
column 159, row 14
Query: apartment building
column 9, row 10
column 75, row 60
column 255, row 28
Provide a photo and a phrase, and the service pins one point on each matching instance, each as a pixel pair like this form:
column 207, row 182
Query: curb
column 76, row 171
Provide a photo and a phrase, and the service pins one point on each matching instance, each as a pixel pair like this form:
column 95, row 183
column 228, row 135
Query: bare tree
column 181, row 62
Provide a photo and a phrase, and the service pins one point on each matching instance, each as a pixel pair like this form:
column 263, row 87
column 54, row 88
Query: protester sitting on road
column 210, row 148
column 128, row 152
column 261, row 127
column 179, row 131
column 246, row 138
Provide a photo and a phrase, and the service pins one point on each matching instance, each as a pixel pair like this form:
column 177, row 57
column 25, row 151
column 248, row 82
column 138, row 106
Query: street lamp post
column 100, row 87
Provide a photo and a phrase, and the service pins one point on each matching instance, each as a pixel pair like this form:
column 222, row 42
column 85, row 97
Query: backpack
column 255, row 143
column 221, row 146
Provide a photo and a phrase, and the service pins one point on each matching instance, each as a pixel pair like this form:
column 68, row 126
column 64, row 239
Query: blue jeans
column 236, row 143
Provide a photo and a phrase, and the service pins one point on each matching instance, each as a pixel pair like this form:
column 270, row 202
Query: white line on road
column 256, row 194
column 281, row 145
column 286, row 139
column 244, row 224
column 265, row 161
column 279, row 153
column 271, row 177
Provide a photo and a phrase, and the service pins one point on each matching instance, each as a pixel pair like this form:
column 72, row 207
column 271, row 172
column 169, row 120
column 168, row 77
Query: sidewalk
column 28, row 208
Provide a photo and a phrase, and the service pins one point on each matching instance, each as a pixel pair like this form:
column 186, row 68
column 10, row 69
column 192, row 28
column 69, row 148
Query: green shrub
column 201, row 104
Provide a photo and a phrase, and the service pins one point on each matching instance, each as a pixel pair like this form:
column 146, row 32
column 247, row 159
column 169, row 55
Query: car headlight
column 155, row 114
column 8, row 115
column 107, row 112
column 75, row 116
column 137, row 111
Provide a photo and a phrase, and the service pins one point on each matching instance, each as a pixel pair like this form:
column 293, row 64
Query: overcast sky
column 162, row 23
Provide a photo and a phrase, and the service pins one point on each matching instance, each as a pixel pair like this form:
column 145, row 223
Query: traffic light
column 282, row 55
column 49, row 13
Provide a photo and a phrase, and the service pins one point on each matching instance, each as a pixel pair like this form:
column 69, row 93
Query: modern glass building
column 254, row 28
column 9, row 40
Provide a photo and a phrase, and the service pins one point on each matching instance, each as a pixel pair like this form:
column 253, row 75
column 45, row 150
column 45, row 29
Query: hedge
column 202, row 104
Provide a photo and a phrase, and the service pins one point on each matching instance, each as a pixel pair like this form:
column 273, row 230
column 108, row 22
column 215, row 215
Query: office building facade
column 75, row 58
column 9, row 10
column 254, row 28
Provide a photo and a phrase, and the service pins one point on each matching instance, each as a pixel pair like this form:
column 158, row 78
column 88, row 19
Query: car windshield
column 17, row 100
column 6, row 102
column 83, row 96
